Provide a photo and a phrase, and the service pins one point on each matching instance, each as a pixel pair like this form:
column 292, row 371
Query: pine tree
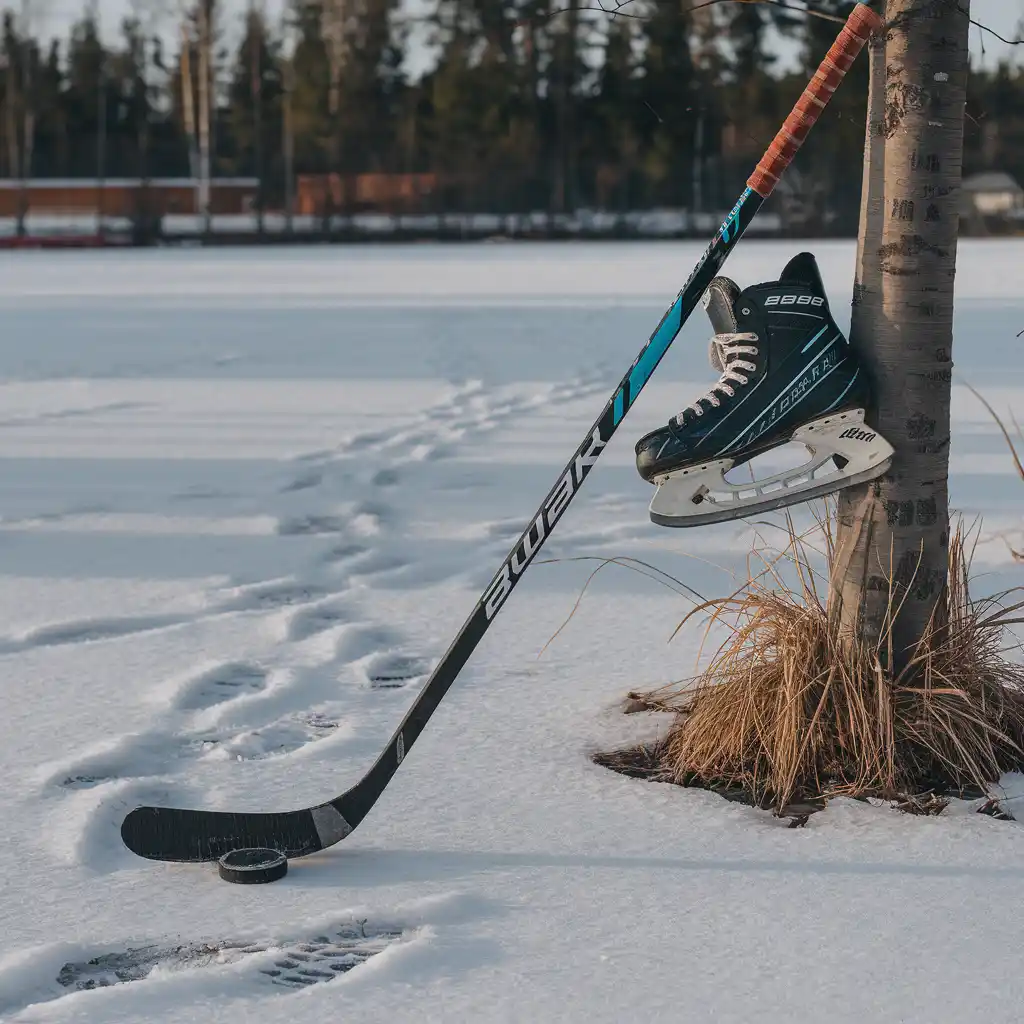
column 668, row 92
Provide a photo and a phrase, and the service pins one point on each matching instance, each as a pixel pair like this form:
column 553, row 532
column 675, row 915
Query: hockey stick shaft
column 177, row 834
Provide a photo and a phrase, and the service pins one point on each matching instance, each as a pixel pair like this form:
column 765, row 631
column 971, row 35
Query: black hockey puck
column 253, row 866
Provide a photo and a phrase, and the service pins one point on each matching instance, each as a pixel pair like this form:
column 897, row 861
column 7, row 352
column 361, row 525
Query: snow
column 648, row 224
column 249, row 497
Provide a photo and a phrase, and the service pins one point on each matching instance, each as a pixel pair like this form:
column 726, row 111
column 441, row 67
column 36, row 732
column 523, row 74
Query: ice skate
column 787, row 374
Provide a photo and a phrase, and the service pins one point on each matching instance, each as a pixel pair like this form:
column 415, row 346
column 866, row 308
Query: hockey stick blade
column 176, row 834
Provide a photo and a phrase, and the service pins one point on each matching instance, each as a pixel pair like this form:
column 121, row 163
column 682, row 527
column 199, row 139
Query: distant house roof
column 991, row 181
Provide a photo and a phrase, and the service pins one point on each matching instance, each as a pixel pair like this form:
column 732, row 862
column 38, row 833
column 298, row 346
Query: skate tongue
column 719, row 302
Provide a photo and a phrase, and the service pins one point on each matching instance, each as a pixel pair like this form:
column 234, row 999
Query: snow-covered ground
column 248, row 498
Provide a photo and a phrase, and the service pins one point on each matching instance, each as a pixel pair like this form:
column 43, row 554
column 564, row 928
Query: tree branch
column 990, row 31
column 617, row 11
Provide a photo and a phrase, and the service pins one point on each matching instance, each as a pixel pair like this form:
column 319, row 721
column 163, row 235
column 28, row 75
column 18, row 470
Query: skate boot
column 787, row 374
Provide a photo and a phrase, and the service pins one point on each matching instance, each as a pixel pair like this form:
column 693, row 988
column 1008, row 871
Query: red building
column 123, row 197
column 377, row 193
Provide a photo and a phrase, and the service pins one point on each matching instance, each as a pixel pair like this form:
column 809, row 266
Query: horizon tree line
column 527, row 105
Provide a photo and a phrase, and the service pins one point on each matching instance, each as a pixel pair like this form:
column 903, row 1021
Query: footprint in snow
column 309, row 622
column 219, row 684
column 154, row 754
column 394, row 671
column 285, row 736
column 137, row 756
column 303, row 482
column 505, row 529
column 282, row 966
column 85, row 631
column 311, row 526
column 360, row 442
column 387, row 477
column 274, row 595
column 361, row 641
column 345, row 553
column 379, row 563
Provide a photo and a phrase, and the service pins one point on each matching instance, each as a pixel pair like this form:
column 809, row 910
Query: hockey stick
column 176, row 834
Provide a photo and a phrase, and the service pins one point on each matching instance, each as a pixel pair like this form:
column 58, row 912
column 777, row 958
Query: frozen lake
column 248, row 498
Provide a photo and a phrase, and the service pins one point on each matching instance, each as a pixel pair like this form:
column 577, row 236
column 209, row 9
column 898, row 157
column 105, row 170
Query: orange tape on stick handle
column 860, row 26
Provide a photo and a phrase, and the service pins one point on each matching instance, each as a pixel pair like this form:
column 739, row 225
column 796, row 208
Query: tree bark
column 890, row 573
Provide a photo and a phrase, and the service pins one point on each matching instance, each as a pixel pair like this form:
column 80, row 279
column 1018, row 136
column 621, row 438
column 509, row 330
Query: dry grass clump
column 788, row 710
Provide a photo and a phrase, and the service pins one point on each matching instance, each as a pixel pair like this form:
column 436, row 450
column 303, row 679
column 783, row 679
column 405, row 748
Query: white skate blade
column 699, row 494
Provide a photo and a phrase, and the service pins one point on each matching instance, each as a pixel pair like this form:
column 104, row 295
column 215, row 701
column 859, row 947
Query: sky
column 52, row 17
column 1002, row 16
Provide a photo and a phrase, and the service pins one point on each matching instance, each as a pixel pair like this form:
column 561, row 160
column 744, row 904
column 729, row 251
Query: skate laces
column 725, row 353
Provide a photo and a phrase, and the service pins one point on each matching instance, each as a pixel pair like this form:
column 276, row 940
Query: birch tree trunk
column 891, row 567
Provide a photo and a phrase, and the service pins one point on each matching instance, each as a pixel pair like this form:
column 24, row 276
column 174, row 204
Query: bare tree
column 11, row 101
column 288, row 126
column 566, row 56
column 256, row 25
column 101, row 123
column 205, row 62
column 28, row 111
column 28, row 23
column 334, row 29
column 891, row 570
column 188, row 106
column 146, row 21
column 22, row 99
